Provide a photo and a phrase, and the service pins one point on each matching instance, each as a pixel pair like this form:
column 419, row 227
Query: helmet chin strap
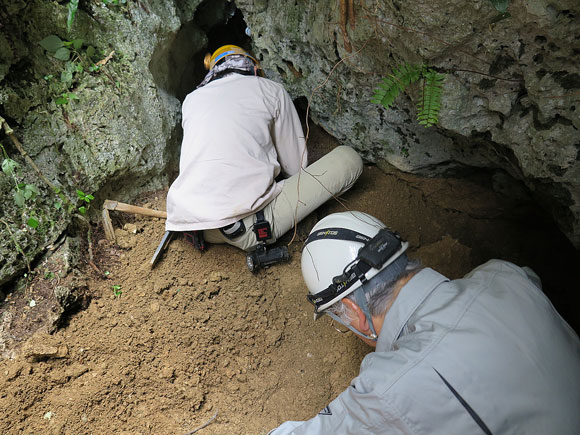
column 361, row 301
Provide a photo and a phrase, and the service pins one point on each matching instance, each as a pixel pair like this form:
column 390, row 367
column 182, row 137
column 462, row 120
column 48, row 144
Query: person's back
column 244, row 176
column 229, row 153
column 488, row 350
column 484, row 354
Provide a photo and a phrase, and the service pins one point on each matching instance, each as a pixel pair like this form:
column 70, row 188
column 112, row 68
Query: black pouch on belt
column 262, row 227
column 234, row 230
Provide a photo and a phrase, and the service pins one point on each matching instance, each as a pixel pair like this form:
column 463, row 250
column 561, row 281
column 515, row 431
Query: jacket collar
column 410, row 297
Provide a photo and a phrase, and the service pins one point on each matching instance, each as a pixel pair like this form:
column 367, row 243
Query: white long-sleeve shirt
column 484, row 354
column 239, row 133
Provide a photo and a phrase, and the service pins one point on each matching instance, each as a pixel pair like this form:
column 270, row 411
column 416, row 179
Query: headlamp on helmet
column 349, row 253
column 378, row 252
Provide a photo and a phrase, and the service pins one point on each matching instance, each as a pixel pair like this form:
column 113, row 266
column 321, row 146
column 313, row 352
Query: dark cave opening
column 177, row 64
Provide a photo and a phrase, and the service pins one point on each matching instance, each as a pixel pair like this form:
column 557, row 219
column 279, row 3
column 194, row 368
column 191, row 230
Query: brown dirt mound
column 199, row 334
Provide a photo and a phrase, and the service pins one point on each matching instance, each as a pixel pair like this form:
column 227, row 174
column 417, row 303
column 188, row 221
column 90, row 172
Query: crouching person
column 484, row 354
column 241, row 171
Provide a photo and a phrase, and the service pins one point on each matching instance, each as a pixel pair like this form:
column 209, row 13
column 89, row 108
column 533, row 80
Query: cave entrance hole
column 177, row 64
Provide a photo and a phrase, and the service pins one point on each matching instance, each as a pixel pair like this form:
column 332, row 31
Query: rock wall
column 510, row 99
column 509, row 102
column 116, row 138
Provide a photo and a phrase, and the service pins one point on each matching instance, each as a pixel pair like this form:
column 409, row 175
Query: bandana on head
column 234, row 62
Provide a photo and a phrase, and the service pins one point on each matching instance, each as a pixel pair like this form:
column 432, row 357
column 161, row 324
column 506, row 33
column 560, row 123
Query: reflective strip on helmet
column 356, row 271
column 225, row 53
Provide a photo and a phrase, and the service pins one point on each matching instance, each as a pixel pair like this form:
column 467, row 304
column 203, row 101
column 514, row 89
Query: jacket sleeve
column 288, row 137
column 353, row 413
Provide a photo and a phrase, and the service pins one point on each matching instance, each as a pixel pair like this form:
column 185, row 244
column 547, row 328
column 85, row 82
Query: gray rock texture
column 116, row 139
column 511, row 97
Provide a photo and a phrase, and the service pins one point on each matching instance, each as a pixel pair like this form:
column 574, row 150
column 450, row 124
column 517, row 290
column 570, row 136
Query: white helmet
column 334, row 263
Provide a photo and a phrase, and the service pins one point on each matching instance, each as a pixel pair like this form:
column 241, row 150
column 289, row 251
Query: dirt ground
column 162, row 351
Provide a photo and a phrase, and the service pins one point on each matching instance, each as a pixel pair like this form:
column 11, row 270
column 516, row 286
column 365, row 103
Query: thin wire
column 203, row 425
column 308, row 135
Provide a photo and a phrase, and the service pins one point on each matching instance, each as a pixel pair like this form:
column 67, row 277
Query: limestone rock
column 510, row 102
column 510, row 99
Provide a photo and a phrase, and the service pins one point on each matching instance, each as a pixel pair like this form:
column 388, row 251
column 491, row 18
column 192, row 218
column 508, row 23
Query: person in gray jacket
column 484, row 354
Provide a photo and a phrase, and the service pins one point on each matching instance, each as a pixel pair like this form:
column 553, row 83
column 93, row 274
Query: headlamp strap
column 337, row 234
column 341, row 284
column 361, row 268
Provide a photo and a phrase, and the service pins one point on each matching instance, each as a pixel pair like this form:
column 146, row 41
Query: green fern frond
column 430, row 100
column 404, row 75
column 395, row 83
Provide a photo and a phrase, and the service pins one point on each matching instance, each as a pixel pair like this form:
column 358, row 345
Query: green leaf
column 430, row 100
column 62, row 53
column 61, row 101
column 30, row 191
column 83, row 210
column 9, row 166
column 51, row 43
column 80, row 194
column 117, row 290
column 89, row 198
column 32, row 222
column 77, row 44
column 500, row 5
column 90, row 51
column 66, row 77
column 58, row 205
column 395, row 83
column 19, row 198
column 72, row 96
column 73, row 6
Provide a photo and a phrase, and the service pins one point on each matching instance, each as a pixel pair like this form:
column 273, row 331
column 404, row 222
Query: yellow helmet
column 225, row 50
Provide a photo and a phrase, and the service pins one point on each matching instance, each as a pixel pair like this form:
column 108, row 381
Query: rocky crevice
column 509, row 103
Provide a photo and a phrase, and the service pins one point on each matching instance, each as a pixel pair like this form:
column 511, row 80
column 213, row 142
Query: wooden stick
column 108, row 226
column 109, row 205
column 121, row 206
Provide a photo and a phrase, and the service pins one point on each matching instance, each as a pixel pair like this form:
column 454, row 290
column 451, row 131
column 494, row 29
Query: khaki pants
column 301, row 194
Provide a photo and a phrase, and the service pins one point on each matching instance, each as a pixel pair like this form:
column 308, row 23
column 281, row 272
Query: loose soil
column 200, row 335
